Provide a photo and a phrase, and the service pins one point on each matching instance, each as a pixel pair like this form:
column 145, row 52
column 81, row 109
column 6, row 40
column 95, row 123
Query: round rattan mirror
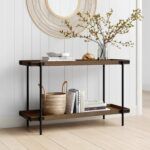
column 50, row 15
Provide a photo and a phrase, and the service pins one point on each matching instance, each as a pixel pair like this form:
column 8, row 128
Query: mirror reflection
column 63, row 8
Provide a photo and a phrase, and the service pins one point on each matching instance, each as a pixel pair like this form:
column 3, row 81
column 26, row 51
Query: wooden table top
column 73, row 63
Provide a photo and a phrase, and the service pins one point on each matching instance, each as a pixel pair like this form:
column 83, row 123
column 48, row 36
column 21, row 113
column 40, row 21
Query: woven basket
column 54, row 103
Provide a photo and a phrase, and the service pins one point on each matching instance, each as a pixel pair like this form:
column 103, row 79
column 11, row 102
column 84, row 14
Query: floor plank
column 10, row 142
column 32, row 140
column 3, row 146
column 71, row 141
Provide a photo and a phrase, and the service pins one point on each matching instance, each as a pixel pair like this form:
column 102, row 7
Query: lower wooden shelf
column 33, row 115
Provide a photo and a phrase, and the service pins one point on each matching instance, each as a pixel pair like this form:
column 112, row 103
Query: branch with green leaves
column 99, row 29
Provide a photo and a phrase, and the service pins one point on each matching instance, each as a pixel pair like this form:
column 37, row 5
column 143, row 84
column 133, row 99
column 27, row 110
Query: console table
column 36, row 115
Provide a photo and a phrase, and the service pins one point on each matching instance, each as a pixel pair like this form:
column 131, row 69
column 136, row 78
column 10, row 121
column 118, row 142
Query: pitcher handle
column 44, row 92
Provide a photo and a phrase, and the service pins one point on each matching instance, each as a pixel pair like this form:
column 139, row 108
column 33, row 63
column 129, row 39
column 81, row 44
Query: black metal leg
column 27, row 105
column 122, row 66
column 104, row 86
column 40, row 119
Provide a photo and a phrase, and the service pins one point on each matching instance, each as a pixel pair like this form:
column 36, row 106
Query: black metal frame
column 122, row 92
column 40, row 94
column 104, row 86
column 41, row 108
column 27, row 105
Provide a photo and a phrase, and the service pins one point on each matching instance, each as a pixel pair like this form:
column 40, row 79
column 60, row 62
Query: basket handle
column 63, row 85
column 43, row 89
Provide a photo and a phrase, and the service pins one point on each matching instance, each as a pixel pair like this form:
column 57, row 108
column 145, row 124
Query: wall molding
column 139, row 61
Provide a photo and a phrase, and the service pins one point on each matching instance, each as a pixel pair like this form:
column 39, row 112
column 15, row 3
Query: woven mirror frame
column 50, row 23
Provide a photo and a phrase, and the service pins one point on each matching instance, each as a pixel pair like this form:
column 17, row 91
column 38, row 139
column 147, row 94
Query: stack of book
column 52, row 56
column 76, row 103
column 97, row 107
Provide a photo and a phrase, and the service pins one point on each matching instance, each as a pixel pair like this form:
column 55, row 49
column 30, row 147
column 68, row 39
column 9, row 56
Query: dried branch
column 100, row 30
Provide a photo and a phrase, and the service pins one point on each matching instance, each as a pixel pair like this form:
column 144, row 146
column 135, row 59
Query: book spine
column 82, row 101
column 79, row 101
column 106, row 109
column 94, row 108
column 73, row 103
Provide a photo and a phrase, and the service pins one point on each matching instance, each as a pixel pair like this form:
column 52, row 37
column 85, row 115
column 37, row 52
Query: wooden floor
column 89, row 135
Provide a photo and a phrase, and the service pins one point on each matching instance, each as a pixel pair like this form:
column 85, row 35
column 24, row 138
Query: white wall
column 146, row 43
column 21, row 39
